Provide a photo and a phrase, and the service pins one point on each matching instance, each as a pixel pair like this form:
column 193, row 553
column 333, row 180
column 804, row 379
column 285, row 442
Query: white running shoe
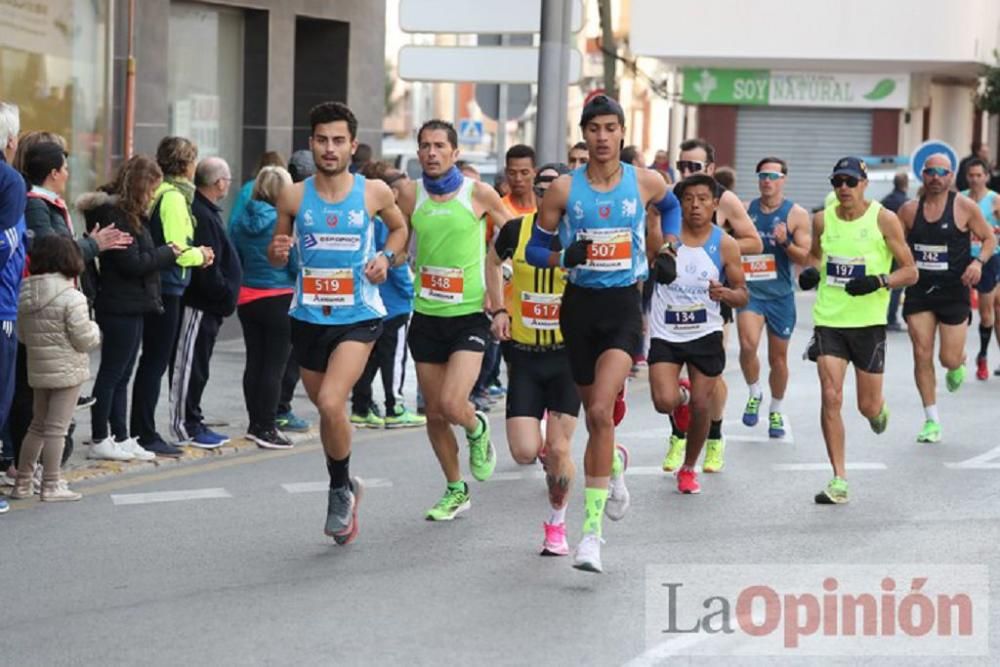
column 109, row 450
column 588, row 554
column 133, row 447
column 619, row 499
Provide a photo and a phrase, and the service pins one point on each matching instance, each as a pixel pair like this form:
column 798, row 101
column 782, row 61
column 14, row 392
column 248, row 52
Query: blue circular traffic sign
column 927, row 149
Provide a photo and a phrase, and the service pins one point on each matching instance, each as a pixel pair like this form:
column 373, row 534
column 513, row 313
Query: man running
column 938, row 227
column 787, row 235
column 449, row 330
column 854, row 242
column 603, row 236
column 686, row 319
column 336, row 312
column 978, row 174
column 578, row 155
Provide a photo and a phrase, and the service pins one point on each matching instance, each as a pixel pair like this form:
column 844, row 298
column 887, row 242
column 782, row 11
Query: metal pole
column 129, row 142
column 548, row 140
column 501, row 142
column 563, row 108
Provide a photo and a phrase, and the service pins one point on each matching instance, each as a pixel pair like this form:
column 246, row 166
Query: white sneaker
column 59, row 492
column 133, row 447
column 37, row 477
column 109, row 450
column 588, row 554
column 619, row 499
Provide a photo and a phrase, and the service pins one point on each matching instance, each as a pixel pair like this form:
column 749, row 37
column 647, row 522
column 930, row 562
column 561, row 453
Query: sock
column 478, row 431
column 676, row 432
column 985, row 333
column 776, row 404
column 715, row 430
column 755, row 389
column 339, row 471
column 558, row 516
column 617, row 463
column 593, row 504
column 930, row 412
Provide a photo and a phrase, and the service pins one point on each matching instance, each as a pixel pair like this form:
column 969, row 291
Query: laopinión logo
column 818, row 609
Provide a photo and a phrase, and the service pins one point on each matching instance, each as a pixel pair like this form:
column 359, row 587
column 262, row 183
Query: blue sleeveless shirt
column 769, row 274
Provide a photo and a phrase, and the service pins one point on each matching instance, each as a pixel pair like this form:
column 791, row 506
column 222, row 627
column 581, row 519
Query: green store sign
column 756, row 87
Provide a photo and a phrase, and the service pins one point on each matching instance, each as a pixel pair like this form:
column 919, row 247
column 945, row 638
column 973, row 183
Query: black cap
column 851, row 166
column 601, row 105
column 557, row 167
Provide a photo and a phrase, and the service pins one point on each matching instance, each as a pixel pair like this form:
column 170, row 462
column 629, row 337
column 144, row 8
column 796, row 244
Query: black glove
column 665, row 268
column 576, row 253
column 809, row 278
column 862, row 286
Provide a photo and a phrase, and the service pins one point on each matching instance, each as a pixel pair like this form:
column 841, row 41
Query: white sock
column 755, row 389
column 558, row 516
column 776, row 404
column 930, row 411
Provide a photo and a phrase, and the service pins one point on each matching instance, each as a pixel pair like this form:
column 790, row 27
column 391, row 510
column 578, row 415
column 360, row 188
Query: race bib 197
column 842, row 270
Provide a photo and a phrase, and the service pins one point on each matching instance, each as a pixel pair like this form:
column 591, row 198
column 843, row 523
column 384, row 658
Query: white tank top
column 682, row 311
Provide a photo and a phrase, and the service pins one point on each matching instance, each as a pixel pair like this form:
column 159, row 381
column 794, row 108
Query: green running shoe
column 452, row 503
column 880, row 422
column 714, row 449
column 752, row 410
column 954, row 378
column 931, row 432
column 776, row 425
column 401, row 417
column 835, row 493
column 371, row 419
column 675, row 454
column 482, row 456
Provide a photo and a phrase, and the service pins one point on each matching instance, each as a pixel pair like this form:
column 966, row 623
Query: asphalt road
column 223, row 561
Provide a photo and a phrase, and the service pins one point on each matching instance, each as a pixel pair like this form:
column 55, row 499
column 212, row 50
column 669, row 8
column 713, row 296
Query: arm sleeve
column 506, row 242
column 670, row 214
column 178, row 228
column 84, row 334
column 539, row 248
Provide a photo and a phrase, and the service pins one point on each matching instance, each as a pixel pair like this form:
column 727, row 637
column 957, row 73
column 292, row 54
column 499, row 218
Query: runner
column 578, row 155
column 854, row 242
column 686, row 318
column 540, row 383
column 336, row 310
column 449, row 331
column 978, row 173
column 938, row 227
column 787, row 234
column 603, row 236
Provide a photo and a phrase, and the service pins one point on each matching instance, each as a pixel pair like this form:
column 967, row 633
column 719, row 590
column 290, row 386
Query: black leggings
column 267, row 335
column 119, row 349
column 388, row 356
column 159, row 338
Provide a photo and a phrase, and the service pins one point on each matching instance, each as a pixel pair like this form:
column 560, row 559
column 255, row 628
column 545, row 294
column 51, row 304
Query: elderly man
column 209, row 299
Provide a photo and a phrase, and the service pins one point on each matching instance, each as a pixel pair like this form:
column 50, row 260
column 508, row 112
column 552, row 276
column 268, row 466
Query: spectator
column 54, row 323
column 578, row 155
column 263, row 303
column 468, row 170
column 632, row 155
column 266, row 159
column 301, row 166
column 726, row 177
column 129, row 289
column 661, row 163
column 362, row 155
column 208, row 299
column 30, row 139
column 170, row 222
column 979, row 150
column 892, row 201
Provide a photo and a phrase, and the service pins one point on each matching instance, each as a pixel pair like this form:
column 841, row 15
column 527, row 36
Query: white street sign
column 478, row 64
column 478, row 16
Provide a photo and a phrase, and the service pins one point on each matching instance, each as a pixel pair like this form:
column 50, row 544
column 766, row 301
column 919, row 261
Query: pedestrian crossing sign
column 470, row 131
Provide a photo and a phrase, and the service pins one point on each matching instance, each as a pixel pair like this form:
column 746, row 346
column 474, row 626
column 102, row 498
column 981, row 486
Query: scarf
column 447, row 183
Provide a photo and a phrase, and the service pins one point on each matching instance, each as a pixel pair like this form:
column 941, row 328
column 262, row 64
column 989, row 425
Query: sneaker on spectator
column 85, row 402
column 209, row 439
column 132, row 446
column 162, row 448
column 109, row 450
column 287, row 421
column 4, row 506
column 268, row 438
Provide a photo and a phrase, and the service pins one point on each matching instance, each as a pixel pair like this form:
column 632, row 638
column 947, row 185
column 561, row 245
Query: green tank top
column 451, row 254
column 851, row 249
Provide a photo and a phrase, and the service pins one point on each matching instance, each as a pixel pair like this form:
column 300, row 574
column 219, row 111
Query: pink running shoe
column 555, row 540
column 621, row 407
column 687, row 481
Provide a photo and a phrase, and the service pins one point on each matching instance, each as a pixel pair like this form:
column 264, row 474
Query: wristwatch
column 389, row 255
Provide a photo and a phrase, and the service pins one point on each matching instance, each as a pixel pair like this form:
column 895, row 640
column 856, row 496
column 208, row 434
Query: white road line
column 659, row 653
column 757, row 438
column 167, row 496
column 797, row 467
column 316, row 487
column 982, row 462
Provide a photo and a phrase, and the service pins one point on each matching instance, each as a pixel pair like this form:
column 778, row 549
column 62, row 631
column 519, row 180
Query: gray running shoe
column 342, row 512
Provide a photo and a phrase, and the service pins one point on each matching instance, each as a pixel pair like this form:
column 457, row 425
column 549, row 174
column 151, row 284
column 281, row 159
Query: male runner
column 978, row 174
column 787, row 234
column 698, row 156
column 603, row 236
column 854, row 242
column 938, row 227
column 686, row 320
column 336, row 312
column 449, row 330
column 578, row 155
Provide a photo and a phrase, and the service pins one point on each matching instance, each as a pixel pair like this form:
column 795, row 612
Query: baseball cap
column 557, row 167
column 601, row 105
column 851, row 166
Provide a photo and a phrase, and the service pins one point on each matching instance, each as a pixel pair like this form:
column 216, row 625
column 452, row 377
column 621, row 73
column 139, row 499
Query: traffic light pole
column 553, row 80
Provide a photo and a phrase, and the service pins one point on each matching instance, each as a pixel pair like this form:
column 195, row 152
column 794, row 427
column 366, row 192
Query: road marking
column 797, row 467
column 982, row 462
column 315, row 487
column 167, row 496
column 757, row 438
column 660, row 652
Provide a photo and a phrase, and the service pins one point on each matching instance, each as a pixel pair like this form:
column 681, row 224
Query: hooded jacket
column 13, row 195
column 53, row 322
column 171, row 221
column 251, row 234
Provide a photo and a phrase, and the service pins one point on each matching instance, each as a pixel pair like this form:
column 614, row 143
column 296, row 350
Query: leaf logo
column 705, row 85
column 882, row 90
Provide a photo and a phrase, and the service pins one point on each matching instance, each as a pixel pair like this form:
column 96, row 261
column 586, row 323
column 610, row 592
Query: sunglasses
column 841, row 181
column 940, row 172
column 769, row 175
column 692, row 166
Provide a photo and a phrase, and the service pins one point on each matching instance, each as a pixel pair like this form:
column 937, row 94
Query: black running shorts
column 863, row 346
column 950, row 305
column 594, row 321
column 707, row 354
column 538, row 381
column 433, row 339
column 314, row 343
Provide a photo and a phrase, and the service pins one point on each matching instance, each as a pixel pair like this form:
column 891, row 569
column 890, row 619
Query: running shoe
column 618, row 500
column 621, row 407
column 675, row 454
column 880, row 422
column 208, row 439
column 403, row 418
column 751, row 412
column 835, row 493
column 482, row 456
column 496, row 391
column 714, row 449
column 555, row 540
column 370, row 419
column 4, row 506
column 982, row 370
column 931, row 432
column 954, row 378
column 268, row 438
column 682, row 413
column 288, row 421
column 84, row 402
column 342, row 511
column 776, row 425
column 131, row 446
column 452, row 503
column 687, row 481
column 109, row 450
column 163, row 449
column 588, row 554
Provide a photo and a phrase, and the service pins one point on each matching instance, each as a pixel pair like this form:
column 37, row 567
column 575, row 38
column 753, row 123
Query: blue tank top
column 769, row 274
column 616, row 223
column 986, row 206
column 334, row 241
